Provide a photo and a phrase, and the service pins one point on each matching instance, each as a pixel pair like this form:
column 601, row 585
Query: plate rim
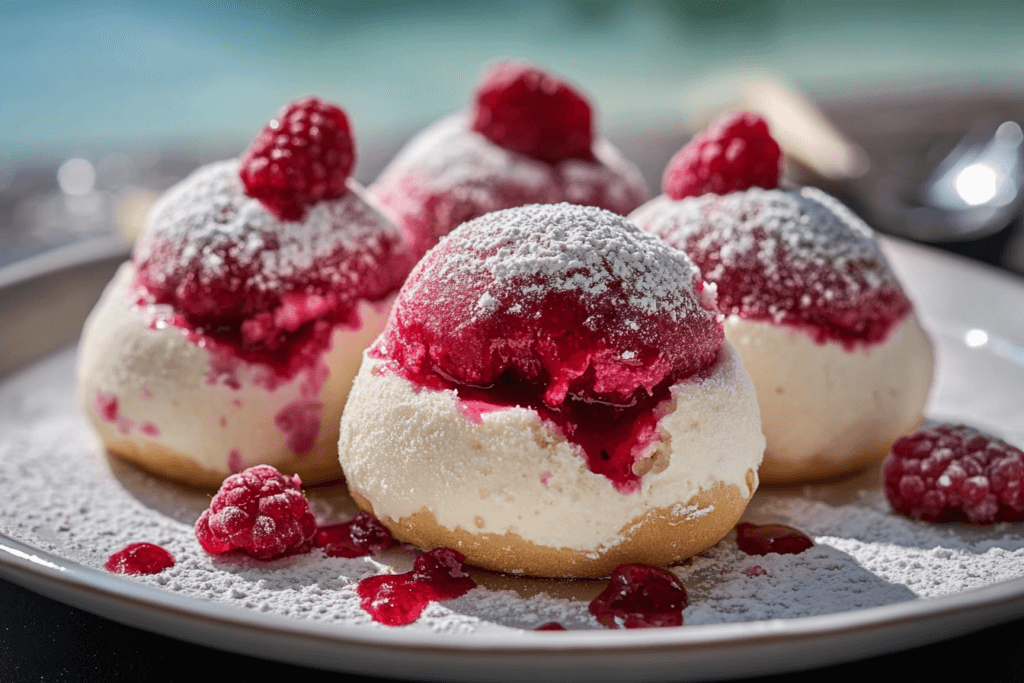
column 115, row 597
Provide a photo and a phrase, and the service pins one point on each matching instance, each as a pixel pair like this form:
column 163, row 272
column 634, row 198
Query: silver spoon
column 975, row 191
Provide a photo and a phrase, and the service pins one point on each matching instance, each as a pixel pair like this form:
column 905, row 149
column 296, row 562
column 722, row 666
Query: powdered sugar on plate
column 60, row 494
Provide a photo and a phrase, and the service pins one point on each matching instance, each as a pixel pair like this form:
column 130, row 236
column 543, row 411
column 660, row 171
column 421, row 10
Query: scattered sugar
column 61, row 495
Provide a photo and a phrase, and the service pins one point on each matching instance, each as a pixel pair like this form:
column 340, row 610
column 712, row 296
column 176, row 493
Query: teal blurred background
column 81, row 78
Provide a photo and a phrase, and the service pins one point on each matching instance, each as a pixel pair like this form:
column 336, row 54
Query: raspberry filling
column 567, row 310
column 250, row 287
column 761, row 539
column 954, row 473
column 140, row 558
column 397, row 600
column 797, row 258
column 640, row 596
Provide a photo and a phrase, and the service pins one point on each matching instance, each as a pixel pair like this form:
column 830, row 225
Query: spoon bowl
column 975, row 191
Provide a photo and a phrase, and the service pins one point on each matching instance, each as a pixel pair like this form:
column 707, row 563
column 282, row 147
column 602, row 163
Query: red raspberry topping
column 364, row 535
column 640, row 596
column 399, row 599
column 526, row 110
column 265, row 291
column 259, row 511
column 754, row 539
column 736, row 152
column 140, row 558
column 303, row 156
column 955, row 474
column 567, row 309
column 796, row 258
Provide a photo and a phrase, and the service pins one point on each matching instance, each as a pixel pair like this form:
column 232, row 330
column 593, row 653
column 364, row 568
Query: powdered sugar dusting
column 60, row 494
column 448, row 174
column 523, row 253
column 795, row 257
column 206, row 230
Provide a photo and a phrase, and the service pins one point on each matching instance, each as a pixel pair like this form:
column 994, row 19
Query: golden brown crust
column 169, row 464
column 657, row 538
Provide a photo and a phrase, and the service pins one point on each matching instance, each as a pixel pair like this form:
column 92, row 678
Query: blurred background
column 104, row 104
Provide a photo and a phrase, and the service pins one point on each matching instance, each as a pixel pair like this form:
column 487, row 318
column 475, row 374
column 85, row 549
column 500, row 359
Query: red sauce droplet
column 140, row 558
column 756, row 539
column 756, row 570
column 640, row 596
column 364, row 535
column 551, row 626
column 397, row 600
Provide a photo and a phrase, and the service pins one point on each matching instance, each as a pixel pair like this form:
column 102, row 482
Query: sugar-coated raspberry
column 736, row 152
column 259, row 511
column 954, row 473
column 640, row 596
column 303, row 156
column 526, row 110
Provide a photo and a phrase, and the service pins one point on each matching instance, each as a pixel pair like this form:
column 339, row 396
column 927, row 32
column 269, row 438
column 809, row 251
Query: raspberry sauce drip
column 364, row 535
column 140, row 558
column 640, row 596
column 612, row 437
column 754, row 539
column 397, row 600
column 285, row 352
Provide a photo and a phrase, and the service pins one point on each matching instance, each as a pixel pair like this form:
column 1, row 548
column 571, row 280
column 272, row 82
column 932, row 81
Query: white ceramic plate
column 67, row 506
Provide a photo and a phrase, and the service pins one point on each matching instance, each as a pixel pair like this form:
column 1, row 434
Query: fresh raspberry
column 523, row 109
column 640, row 596
column 260, row 511
column 954, row 474
column 303, row 156
column 736, row 152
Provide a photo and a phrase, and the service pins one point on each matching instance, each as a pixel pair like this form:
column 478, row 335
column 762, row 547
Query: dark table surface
column 44, row 640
